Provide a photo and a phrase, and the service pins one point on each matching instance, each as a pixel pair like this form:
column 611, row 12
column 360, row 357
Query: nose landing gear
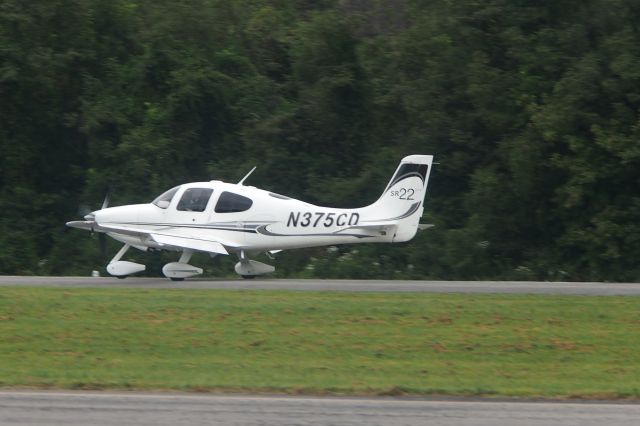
column 123, row 268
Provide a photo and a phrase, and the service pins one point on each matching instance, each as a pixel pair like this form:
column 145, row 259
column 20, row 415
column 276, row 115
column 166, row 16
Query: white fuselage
column 273, row 222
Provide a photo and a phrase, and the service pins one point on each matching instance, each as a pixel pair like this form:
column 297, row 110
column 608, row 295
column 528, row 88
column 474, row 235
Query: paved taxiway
column 125, row 409
column 520, row 287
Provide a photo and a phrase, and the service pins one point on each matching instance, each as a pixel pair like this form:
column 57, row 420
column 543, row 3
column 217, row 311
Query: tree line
column 531, row 109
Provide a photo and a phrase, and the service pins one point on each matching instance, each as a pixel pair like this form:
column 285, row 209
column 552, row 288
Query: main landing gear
column 248, row 269
column 175, row 271
column 178, row 271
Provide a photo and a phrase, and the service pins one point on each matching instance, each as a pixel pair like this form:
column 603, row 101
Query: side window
column 195, row 199
column 232, row 203
column 165, row 198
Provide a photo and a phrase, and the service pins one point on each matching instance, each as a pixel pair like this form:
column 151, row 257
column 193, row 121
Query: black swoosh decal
column 264, row 231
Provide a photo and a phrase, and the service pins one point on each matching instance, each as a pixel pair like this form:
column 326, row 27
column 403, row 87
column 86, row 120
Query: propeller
column 88, row 214
column 102, row 237
column 84, row 210
column 102, row 244
column 105, row 203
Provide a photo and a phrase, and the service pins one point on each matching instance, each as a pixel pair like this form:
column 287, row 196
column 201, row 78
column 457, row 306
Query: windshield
column 164, row 200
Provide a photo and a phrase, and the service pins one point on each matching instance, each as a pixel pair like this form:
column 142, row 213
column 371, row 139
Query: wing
column 189, row 243
column 162, row 238
column 90, row 225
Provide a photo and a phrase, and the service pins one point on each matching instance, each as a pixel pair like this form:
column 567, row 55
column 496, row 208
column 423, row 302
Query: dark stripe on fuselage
column 249, row 228
column 264, row 231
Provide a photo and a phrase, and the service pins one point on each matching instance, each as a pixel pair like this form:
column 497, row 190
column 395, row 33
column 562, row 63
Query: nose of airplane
column 102, row 215
column 106, row 215
column 129, row 213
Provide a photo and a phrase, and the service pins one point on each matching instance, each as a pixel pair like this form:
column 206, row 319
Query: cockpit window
column 232, row 203
column 165, row 198
column 195, row 199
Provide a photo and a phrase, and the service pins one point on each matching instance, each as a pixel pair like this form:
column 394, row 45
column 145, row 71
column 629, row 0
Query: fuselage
column 240, row 217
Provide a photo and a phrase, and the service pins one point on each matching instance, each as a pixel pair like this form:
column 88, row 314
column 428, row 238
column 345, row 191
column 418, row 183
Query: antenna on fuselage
column 247, row 175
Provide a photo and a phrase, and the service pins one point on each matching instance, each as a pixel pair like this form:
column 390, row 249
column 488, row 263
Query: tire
column 121, row 277
column 248, row 277
column 176, row 279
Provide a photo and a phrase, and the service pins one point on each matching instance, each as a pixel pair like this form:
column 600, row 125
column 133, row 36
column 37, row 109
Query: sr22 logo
column 404, row 193
column 327, row 220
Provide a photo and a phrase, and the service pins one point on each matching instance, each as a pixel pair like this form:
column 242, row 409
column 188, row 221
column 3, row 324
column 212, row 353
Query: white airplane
column 222, row 218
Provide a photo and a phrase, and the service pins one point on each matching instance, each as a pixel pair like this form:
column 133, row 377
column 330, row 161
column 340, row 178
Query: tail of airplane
column 401, row 203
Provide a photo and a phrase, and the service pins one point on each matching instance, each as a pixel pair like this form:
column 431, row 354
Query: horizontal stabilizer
column 371, row 229
column 190, row 243
column 423, row 226
column 375, row 226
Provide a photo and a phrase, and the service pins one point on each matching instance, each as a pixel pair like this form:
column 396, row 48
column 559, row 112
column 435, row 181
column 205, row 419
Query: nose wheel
column 122, row 268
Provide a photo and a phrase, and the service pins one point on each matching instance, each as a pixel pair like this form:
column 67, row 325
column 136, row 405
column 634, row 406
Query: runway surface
column 510, row 287
column 124, row 409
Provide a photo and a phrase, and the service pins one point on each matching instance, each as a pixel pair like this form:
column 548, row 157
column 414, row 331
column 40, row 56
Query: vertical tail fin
column 403, row 198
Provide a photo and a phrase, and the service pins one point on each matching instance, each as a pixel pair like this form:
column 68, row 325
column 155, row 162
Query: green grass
column 338, row 343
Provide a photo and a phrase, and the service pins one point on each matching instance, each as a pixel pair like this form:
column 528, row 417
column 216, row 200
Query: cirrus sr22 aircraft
column 222, row 218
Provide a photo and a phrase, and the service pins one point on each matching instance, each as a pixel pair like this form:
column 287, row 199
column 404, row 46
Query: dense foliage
column 531, row 108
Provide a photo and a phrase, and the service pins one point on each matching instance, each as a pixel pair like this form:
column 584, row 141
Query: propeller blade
column 105, row 203
column 84, row 210
column 102, row 241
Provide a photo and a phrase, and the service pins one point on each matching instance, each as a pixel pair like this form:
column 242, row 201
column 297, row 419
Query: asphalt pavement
column 506, row 287
column 20, row 408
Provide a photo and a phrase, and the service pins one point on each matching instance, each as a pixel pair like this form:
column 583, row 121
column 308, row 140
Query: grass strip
column 320, row 343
